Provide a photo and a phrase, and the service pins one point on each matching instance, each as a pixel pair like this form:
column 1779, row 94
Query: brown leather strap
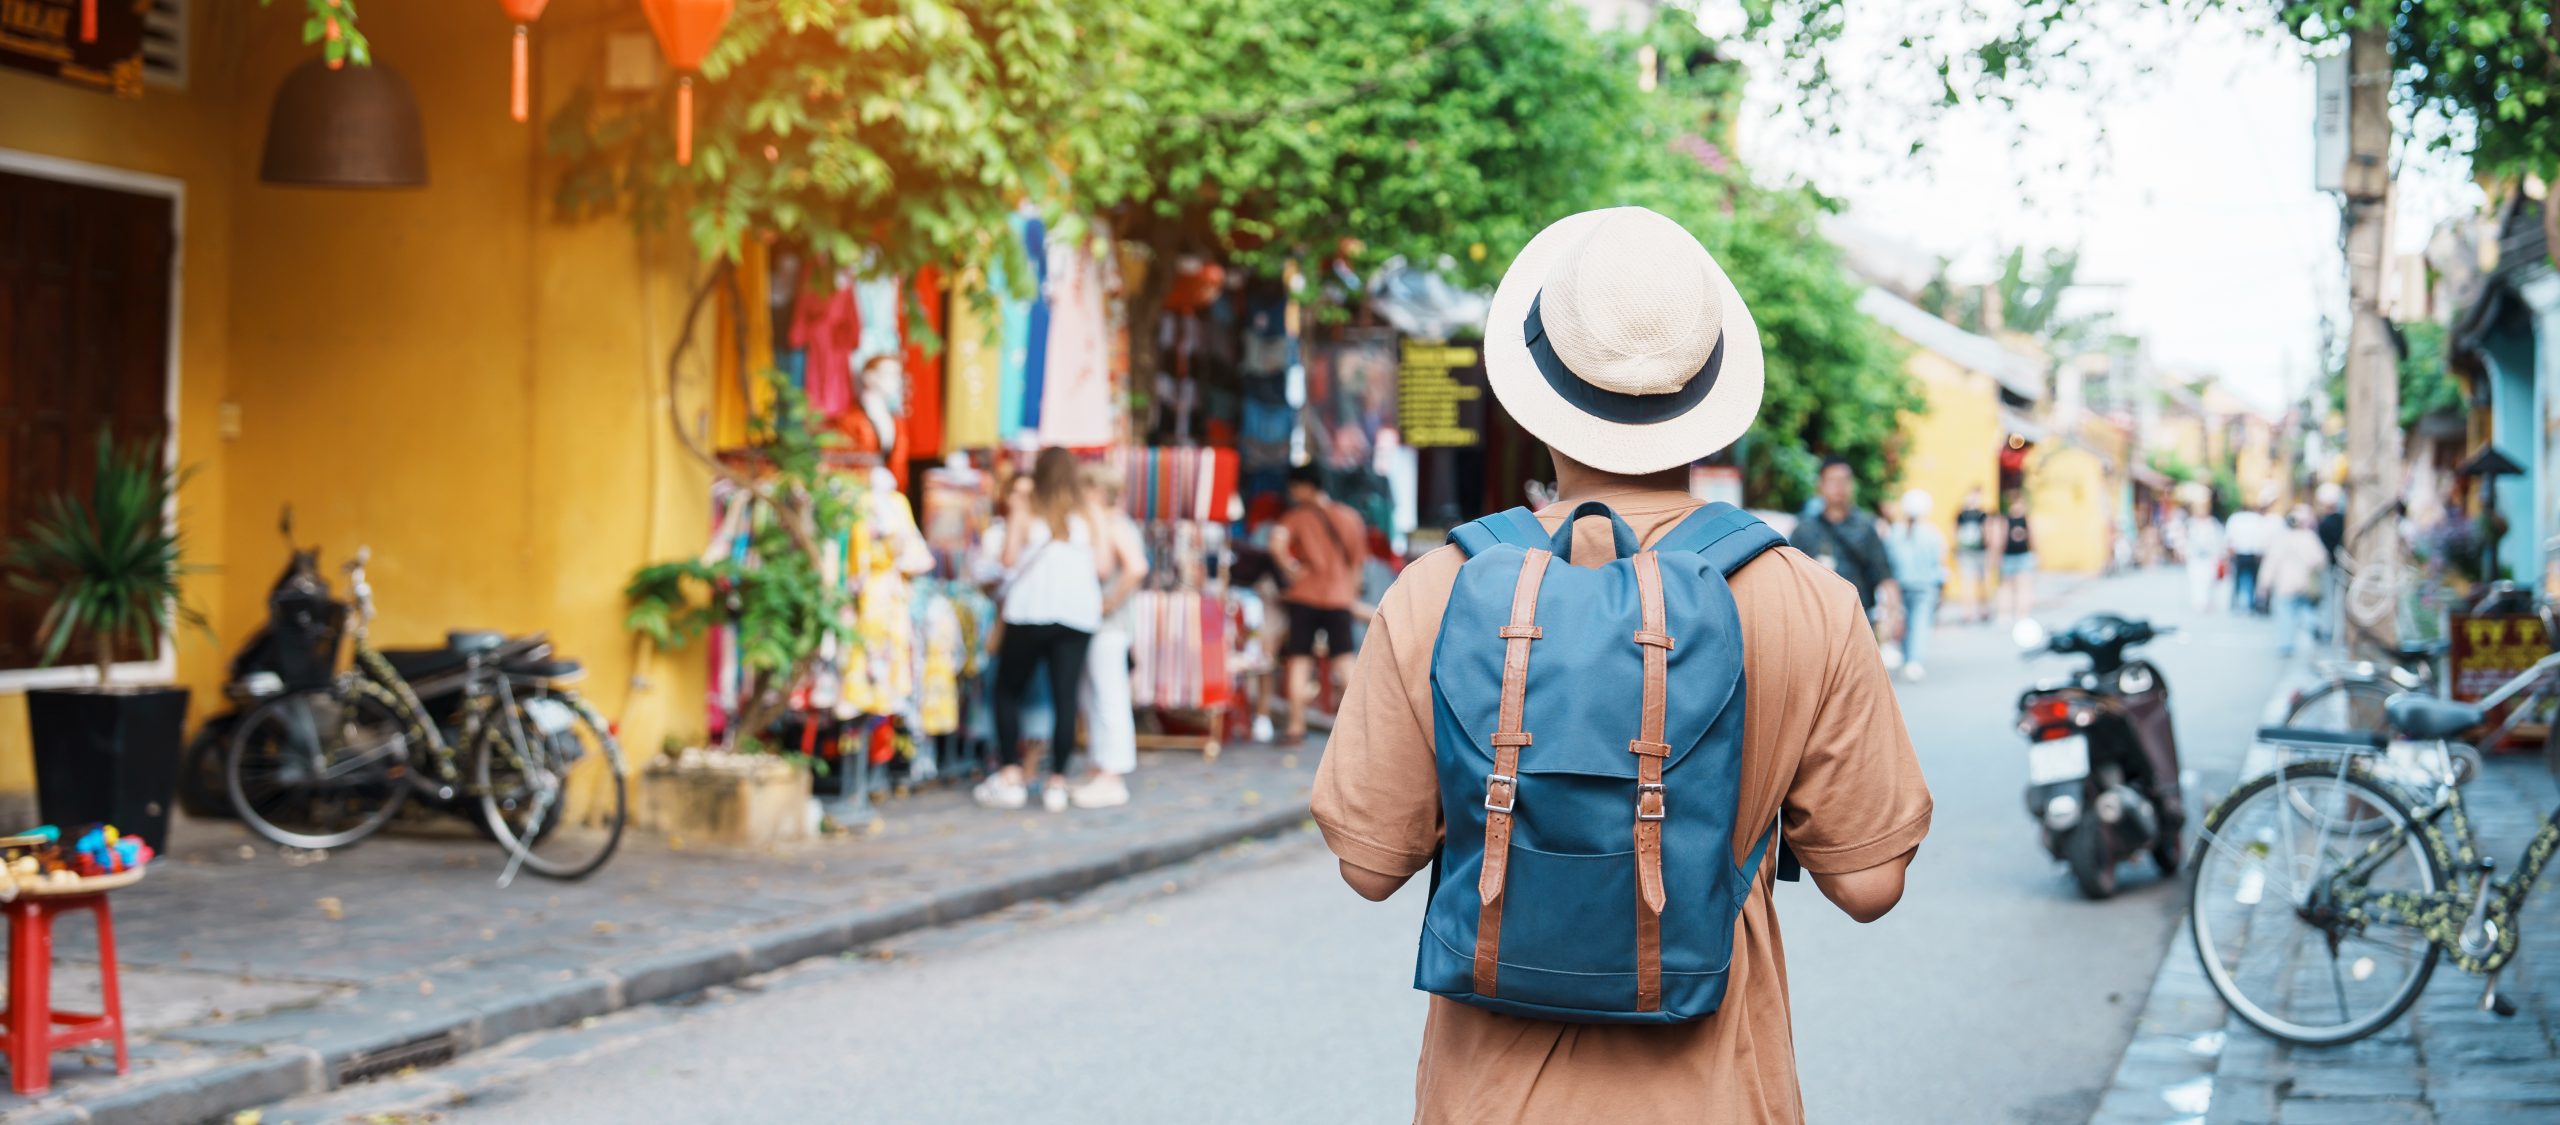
column 1502, row 786
column 1650, row 750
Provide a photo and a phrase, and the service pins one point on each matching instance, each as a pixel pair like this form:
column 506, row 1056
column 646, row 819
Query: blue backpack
column 1588, row 871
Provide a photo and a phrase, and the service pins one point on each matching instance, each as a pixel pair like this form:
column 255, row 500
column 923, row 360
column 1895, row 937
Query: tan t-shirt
column 1823, row 738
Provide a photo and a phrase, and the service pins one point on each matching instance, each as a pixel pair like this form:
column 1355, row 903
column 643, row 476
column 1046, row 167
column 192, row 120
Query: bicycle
column 328, row 766
column 2388, row 880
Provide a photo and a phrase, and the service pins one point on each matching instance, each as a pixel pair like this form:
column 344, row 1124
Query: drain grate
column 434, row 1050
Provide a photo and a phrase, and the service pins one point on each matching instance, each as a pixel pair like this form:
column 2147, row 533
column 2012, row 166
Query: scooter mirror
column 2030, row 635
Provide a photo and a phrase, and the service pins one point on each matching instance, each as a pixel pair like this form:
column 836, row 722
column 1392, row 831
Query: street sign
column 2329, row 123
column 2488, row 650
column 1440, row 394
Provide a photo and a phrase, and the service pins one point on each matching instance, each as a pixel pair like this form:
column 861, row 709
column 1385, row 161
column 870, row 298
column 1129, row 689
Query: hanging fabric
column 1035, row 356
column 917, row 329
column 1077, row 405
column 972, row 400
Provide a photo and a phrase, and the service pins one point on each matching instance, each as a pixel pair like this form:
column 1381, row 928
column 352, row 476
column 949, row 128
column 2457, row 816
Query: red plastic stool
column 33, row 1030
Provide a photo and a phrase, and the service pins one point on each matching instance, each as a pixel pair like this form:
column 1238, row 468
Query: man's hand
column 1864, row 895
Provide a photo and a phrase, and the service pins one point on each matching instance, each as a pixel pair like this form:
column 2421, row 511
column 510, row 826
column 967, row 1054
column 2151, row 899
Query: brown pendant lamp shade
column 353, row 127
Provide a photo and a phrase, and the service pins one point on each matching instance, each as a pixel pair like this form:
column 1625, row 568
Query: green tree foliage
column 909, row 127
column 777, row 595
column 2425, row 386
column 1835, row 385
column 1272, row 130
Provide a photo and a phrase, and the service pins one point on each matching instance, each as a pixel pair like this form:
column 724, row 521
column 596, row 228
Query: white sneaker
column 1913, row 673
column 998, row 793
column 1053, row 796
column 1103, row 792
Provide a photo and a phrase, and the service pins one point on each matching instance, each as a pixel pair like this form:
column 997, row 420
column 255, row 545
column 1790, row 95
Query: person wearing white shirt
column 1051, row 605
column 2249, row 534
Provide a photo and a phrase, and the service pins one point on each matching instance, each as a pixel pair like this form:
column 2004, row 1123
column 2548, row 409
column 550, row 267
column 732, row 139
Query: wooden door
column 84, row 349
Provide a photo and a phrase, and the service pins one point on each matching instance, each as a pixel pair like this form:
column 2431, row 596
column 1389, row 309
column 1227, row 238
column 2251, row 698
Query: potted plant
column 108, row 566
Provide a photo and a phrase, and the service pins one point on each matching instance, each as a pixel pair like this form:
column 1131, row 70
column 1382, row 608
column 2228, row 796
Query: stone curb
column 274, row 1073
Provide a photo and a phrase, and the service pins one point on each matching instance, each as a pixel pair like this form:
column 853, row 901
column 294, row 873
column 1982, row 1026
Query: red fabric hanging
column 923, row 427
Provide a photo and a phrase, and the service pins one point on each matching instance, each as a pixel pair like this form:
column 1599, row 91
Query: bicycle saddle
column 2410, row 652
column 2414, row 715
column 472, row 642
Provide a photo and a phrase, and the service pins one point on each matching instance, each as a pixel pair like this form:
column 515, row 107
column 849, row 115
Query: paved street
column 1259, row 990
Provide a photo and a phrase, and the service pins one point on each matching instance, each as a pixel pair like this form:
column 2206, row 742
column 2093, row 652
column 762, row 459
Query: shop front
column 441, row 373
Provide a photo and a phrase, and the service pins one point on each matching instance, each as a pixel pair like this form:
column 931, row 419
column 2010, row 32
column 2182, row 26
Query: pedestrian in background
column 1110, row 724
column 1973, row 555
column 2332, row 527
column 1634, row 316
column 2248, row 534
column 1839, row 535
column 1920, row 568
column 2292, row 570
column 2203, row 555
column 1316, row 544
column 1051, row 605
column 2017, row 560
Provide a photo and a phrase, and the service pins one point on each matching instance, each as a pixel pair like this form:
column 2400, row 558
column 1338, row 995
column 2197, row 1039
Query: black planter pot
column 107, row 757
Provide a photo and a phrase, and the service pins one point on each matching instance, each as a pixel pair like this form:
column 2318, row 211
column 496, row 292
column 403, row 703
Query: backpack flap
column 1585, row 675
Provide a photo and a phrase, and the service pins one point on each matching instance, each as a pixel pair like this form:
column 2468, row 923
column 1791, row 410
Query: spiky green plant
column 109, row 564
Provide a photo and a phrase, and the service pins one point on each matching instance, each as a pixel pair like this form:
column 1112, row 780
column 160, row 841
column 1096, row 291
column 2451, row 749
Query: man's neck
column 1835, row 512
column 1581, row 482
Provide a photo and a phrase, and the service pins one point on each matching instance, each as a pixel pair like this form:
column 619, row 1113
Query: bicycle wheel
column 318, row 769
column 2274, row 953
column 2341, row 704
column 526, row 771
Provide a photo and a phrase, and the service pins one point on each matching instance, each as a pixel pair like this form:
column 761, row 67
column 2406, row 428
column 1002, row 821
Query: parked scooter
column 2102, row 760
column 296, row 648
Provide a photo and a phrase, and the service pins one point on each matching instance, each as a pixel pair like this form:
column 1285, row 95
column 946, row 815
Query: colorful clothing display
column 1176, row 484
column 1077, row 404
column 924, row 366
column 827, row 328
column 1035, row 346
column 973, row 371
column 1013, row 370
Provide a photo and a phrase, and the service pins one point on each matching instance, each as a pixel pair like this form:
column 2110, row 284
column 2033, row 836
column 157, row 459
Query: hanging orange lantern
column 520, row 94
column 88, row 21
column 686, row 29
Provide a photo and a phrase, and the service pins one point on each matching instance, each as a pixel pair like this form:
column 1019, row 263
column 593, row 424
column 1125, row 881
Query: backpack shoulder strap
column 1726, row 535
column 1518, row 527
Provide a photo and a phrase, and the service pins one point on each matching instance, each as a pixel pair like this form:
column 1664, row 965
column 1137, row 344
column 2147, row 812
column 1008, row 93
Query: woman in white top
column 2204, row 554
column 1051, row 603
column 1111, row 727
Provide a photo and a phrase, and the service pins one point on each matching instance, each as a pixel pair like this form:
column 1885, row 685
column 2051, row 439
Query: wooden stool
column 32, row 1030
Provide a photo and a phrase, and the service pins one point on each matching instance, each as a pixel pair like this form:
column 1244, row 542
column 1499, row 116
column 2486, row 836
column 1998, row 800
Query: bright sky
column 2194, row 211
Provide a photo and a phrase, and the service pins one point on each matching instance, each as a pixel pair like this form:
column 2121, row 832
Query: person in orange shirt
column 1317, row 548
column 1617, row 340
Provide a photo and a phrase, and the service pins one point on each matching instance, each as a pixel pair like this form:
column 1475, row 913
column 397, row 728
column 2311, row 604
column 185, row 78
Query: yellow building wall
column 2071, row 501
column 1953, row 447
column 446, row 375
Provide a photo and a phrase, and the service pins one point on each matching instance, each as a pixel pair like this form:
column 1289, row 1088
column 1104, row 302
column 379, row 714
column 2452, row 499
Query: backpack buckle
column 1651, row 801
column 1510, row 792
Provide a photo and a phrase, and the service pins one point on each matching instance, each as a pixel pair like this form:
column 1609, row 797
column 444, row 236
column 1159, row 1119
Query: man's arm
column 1375, row 886
column 1864, row 895
column 1858, row 807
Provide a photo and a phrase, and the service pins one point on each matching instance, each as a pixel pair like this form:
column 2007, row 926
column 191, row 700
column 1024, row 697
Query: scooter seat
column 2412, row 652
column 415, row 664
column 544, row 669
column 472, row 642
column 2414, row 715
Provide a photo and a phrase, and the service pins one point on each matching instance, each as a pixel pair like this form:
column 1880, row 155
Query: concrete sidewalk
column 2445, row 1062
column 250, row 975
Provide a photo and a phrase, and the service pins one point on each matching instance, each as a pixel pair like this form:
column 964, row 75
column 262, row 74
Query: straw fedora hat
column 1617, row 340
